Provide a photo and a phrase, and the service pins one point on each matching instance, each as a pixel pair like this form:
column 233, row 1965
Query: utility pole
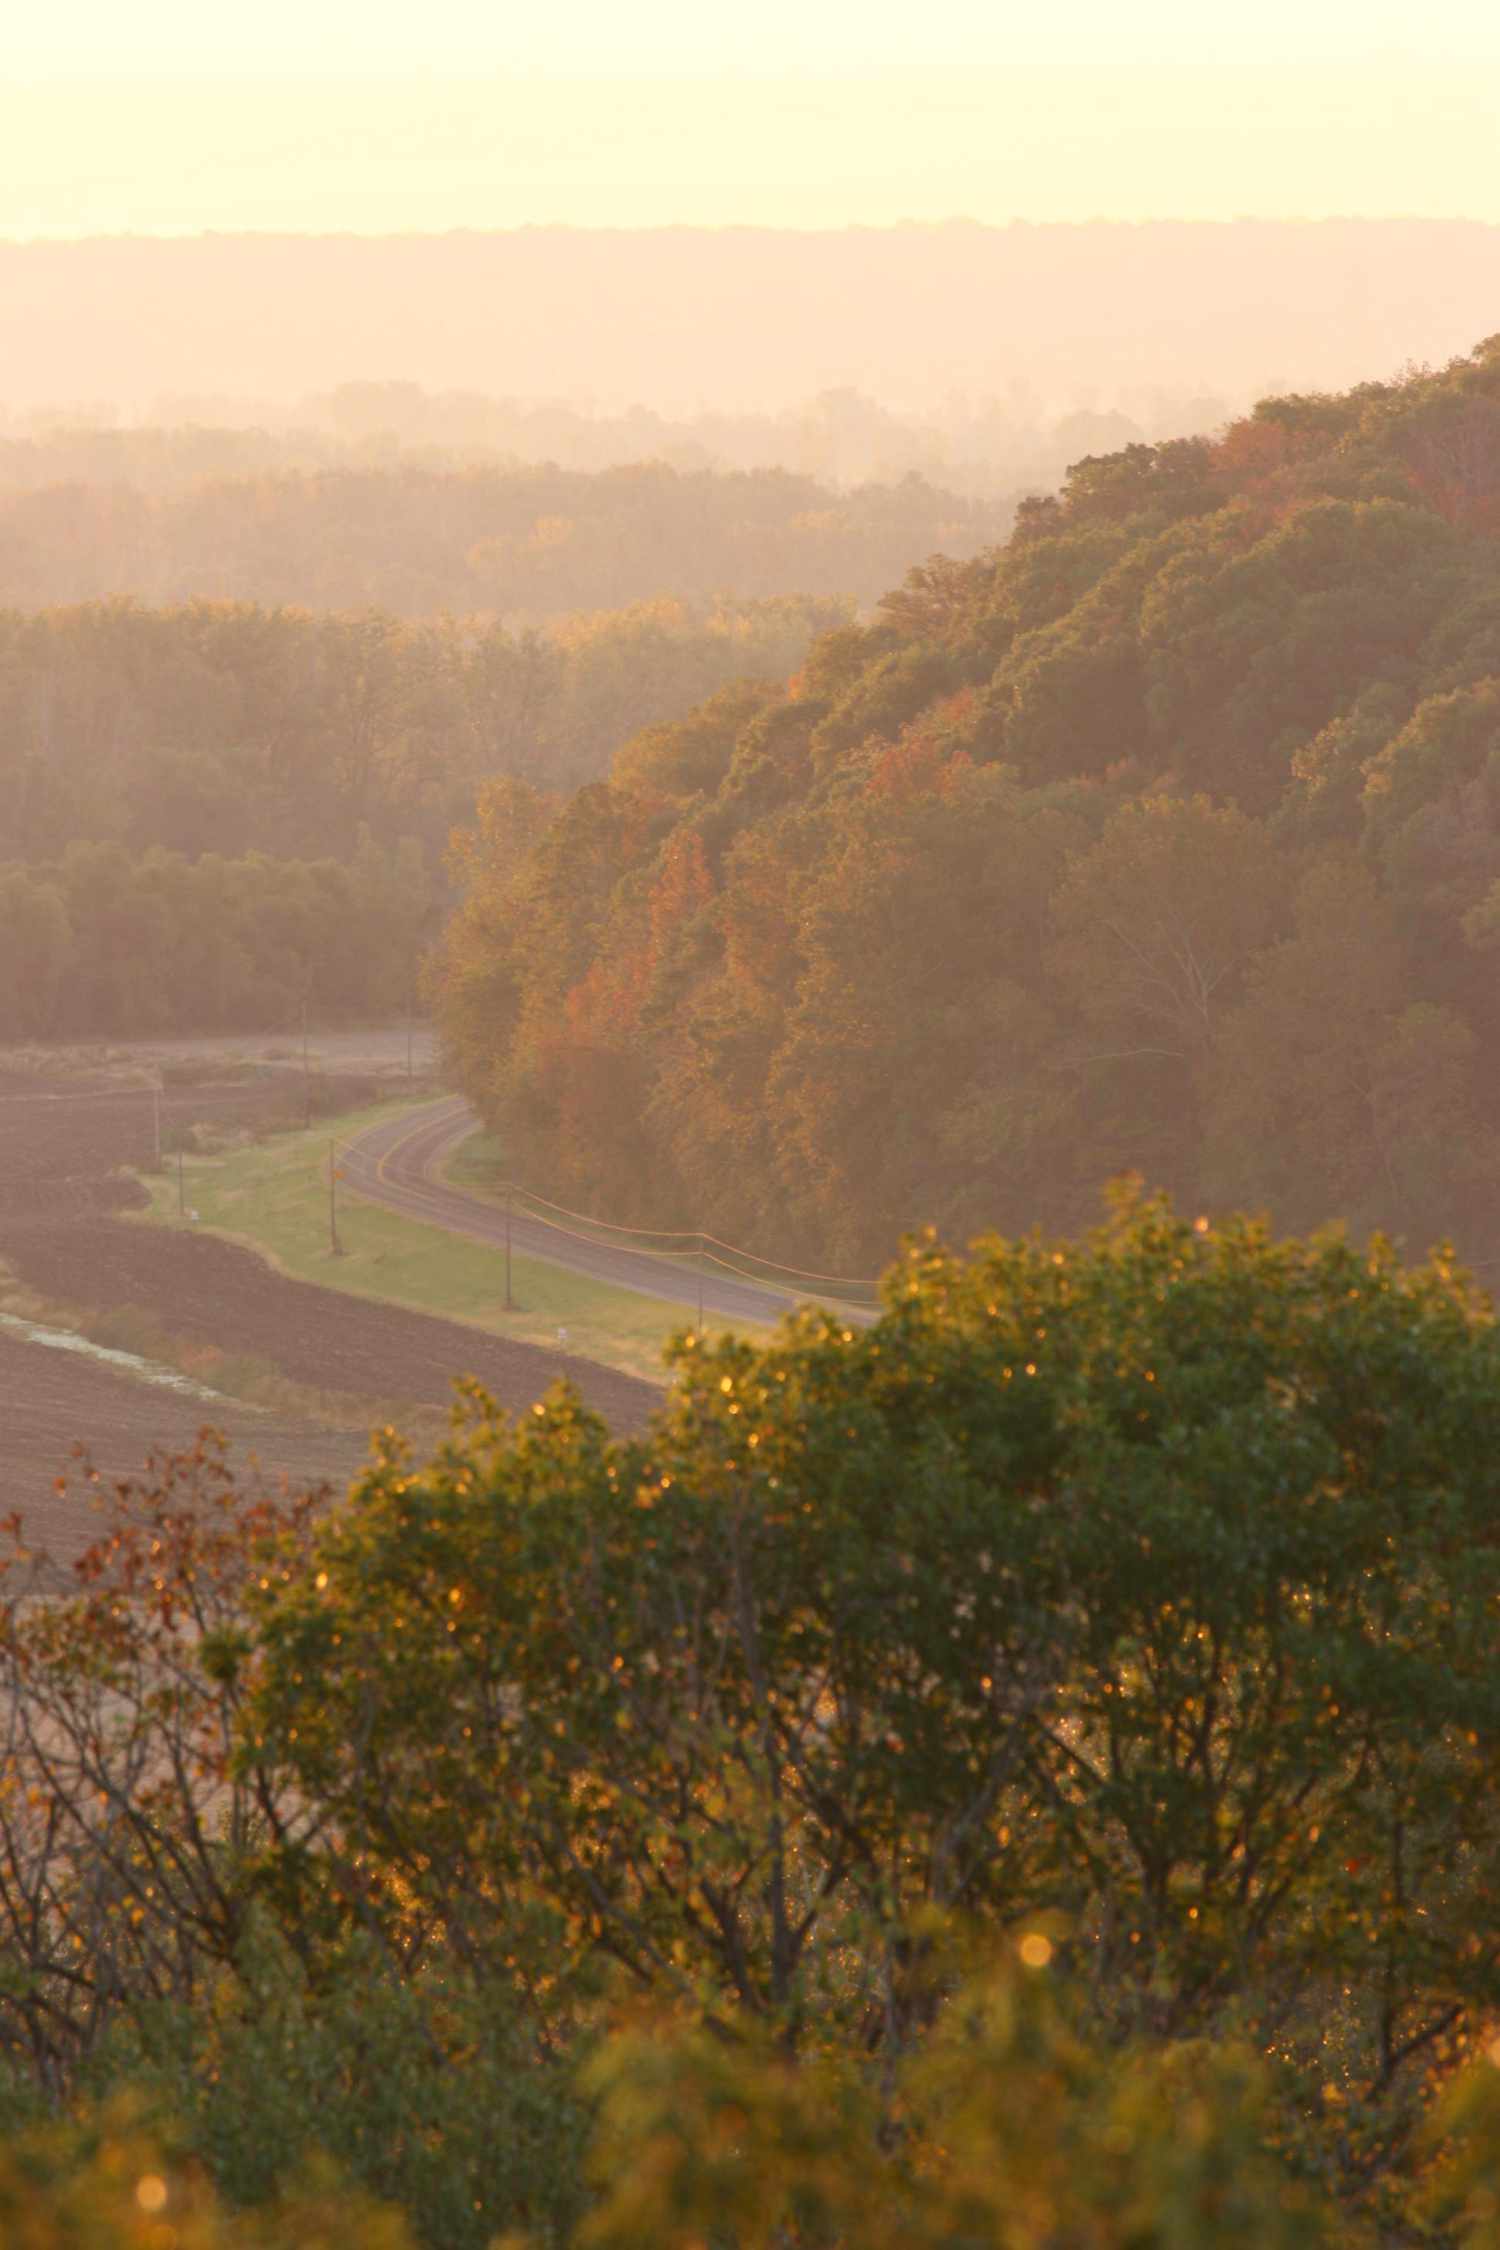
column 509, row 1195
column 335, row 1247
column 306, row 1070
column 701, row 1254
column 181, row 1191
column 156, row 1117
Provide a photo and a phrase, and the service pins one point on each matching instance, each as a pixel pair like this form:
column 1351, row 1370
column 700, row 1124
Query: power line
column 696, row 1248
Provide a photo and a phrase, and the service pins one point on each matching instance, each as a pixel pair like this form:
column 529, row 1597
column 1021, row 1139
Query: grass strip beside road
column 273, row 1196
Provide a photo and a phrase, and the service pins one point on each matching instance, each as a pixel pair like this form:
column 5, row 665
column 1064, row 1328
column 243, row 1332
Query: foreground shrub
column 1153, row 1583
column 1143, row 1589
column 102, row 2185
column 1008, row 2130
column 423, row 2089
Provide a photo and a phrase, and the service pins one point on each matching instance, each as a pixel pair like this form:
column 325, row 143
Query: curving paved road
column 395, row 1163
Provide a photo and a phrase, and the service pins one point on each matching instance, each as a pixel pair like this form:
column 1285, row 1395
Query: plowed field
column 48, row 1399
column 60, row 1233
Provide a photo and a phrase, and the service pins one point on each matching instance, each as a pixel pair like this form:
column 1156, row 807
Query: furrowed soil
column 49, row 1400
column 64, row 1138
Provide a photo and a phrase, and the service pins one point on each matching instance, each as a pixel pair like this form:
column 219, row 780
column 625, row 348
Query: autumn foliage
column 1022, row 1772
column 1164, row 837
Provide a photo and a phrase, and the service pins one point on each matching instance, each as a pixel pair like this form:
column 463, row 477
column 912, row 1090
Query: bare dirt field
column 48, row 1399
column 197, row 1285
column 63, row 1137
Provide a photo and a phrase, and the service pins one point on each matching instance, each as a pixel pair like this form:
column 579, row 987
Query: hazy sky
column 336, row 37
column 174, row 116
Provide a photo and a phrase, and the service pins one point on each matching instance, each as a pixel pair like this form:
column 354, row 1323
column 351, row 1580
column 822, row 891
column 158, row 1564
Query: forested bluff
column 1164, row 837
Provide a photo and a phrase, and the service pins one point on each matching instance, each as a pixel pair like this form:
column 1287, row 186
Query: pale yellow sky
column 174, row 117
column 339, row 37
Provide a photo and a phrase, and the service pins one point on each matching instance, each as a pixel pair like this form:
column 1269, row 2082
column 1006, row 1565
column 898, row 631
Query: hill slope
column 1166, row 836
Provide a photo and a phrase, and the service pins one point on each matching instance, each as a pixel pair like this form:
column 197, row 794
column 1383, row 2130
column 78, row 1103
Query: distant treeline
column 527, row 543
column 986, row 447
column 227, row 729
column 748, row 316
column 1166, row 838
column 106, row 943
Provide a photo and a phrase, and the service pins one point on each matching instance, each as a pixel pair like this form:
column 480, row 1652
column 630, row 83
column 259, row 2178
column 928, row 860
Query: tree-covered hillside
column 218, row 815
column 531, row 542
column 1166, row 836
column 222, row 726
